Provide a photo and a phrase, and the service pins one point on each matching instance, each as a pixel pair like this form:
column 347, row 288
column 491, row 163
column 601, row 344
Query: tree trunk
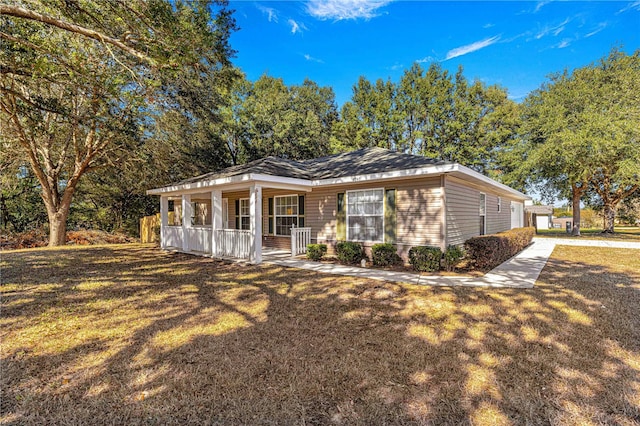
column 58, row 230
column 576, row 192
column 609, row 216
column 58, row 212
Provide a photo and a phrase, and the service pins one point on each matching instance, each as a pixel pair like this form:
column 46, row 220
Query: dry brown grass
column 39, row 238
column 131, row 335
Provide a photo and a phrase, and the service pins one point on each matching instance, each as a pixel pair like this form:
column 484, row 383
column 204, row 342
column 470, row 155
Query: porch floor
column 270, row 254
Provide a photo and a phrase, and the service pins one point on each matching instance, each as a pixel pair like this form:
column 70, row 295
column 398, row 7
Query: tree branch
column 20, row 12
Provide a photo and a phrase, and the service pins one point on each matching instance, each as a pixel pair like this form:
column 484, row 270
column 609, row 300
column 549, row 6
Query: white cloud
column 540, row 5
column 296, row 27
column 631, row 6
column 555, row 29
column 601, row 26
column 485, row 26
column 272, row 14
column 426, row 59
column 396, row 67
column 463, row 50
column 312, row 59
column 345, row 9
column 563, row 44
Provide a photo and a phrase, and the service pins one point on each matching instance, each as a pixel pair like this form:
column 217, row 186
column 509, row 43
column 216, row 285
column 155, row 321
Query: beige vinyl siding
column 463, row 217
column 418, row 211
column 498, row 221
column 463, row 211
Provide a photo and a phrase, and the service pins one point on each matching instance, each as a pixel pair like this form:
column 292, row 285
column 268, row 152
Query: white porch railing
column 199, row 239
column 233, row 243
column 173, row 236
column 300, row 237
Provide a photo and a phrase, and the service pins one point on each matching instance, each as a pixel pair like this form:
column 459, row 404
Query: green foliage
column 452, row 256
column 385, row 254
column 582, row 131
column 425, row 258
column 316, row 251
column 430, row 113
column 349, row 252
column 292, row 122
column 21, row 207
column 629, row 211
column 76, row 98
column 488, row 251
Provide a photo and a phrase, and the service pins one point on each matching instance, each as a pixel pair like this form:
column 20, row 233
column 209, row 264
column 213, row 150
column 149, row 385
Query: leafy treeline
column 432, row 113
column 581, row 135
column 102, row 100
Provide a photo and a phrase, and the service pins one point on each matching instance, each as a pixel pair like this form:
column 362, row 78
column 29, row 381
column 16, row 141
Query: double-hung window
column 365, row 215
column 245, row 218
column 286, row 213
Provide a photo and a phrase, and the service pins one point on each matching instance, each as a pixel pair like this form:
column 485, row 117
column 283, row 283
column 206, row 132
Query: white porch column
column 216, row 219
column 164, row 220
column 255, row 217
column 186, row 221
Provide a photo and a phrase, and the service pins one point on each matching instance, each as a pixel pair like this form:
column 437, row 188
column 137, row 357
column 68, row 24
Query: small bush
column 316, row 251
column 425, row 258
column 385, row 255
column 452, row 256
column 488, row 251
column 349, row 252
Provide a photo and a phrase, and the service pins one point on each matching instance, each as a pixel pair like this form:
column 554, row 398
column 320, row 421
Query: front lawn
column 621, row 233
column 131, row 335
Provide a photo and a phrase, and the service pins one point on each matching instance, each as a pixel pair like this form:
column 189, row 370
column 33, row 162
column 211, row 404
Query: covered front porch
column 235, row 221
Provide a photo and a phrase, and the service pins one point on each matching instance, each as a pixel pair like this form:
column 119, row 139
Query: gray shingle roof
column 365, row 161
column 360, row 162
column 273, row 166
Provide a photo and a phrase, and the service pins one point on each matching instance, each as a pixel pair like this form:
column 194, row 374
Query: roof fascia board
column 479, row 176
column 281, row 182
column 422, row 171
column 234, row 182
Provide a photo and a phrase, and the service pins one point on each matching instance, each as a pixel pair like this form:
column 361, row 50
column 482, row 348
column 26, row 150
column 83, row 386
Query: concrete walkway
column 520, row 271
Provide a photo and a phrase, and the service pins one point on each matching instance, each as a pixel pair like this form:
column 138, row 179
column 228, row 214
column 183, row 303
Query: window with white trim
column 245, row 215
column 483, row 213
column 365, row 215
column 499, row 204
column 286, row 213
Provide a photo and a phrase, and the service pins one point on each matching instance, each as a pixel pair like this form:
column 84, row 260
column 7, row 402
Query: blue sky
column 513, row 44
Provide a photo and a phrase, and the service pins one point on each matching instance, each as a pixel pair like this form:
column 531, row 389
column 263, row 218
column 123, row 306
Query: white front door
column 517, row 214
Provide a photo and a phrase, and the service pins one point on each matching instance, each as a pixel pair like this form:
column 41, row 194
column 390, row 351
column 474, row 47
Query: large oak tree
column 78, row 78
column 583, row 133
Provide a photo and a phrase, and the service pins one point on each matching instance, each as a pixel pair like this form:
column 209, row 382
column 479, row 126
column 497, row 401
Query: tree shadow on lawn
column 147, row 337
